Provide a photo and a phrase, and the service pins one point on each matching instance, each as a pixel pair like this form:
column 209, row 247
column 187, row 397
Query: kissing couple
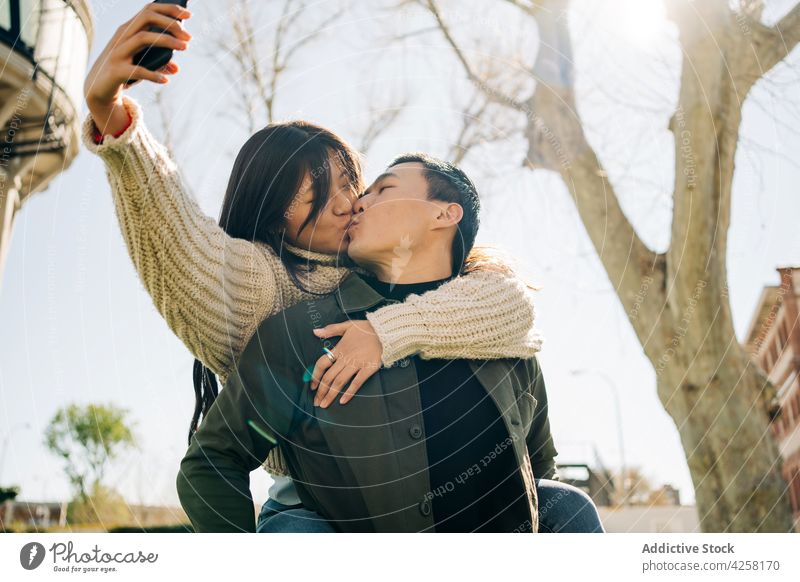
column 374, row 360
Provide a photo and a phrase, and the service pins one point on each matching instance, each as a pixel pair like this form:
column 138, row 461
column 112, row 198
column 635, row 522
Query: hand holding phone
column 114, row 68
column 154, row 57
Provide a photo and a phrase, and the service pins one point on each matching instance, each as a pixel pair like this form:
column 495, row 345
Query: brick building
column 773, row 340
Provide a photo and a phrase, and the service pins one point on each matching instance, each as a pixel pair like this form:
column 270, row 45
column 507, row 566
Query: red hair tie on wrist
column 99, row 137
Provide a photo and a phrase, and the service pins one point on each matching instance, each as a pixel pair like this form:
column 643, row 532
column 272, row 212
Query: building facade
column 44, row 49
column 773, row 341
column 32, row 515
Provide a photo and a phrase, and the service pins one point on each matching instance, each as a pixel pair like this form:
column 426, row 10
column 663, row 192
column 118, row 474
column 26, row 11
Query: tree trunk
column 677, row 302
column 716, row 396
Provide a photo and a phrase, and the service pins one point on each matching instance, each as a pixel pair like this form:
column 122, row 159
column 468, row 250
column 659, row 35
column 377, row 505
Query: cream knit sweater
column 214, row 290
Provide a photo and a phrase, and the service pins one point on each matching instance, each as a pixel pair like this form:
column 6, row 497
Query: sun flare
column 640, row 20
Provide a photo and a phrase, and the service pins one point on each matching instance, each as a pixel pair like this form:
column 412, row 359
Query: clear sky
column 77, row 326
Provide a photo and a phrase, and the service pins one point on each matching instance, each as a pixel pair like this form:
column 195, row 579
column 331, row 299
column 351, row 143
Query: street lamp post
column 621, row 440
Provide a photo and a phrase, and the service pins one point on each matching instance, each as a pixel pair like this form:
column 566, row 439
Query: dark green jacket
column 363, row 465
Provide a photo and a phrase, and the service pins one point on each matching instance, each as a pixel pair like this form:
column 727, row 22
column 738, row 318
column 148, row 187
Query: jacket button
column 404, row 363
column 425, row 507
column 415, row 431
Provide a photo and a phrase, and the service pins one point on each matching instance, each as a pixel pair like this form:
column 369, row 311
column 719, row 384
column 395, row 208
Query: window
column 5, row 14
column 19, row 24
column 29, row 21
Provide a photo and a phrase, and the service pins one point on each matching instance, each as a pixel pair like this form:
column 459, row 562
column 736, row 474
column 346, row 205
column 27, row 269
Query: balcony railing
column 53, row 35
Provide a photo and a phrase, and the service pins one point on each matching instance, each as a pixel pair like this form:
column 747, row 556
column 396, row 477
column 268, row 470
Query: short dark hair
column 449, row 183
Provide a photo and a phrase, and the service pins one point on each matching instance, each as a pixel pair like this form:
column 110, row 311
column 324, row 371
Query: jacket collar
column 354, row 294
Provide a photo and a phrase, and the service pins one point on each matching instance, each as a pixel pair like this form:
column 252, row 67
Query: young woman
column 278, row 241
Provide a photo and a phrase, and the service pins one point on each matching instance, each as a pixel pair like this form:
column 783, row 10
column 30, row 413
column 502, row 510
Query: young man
column 427, row 445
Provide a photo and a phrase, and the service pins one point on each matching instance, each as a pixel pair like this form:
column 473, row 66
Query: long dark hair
column 266, row 177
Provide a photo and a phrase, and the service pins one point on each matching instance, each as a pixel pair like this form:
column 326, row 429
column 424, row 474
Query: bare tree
column 261, row 60
column 263, row 56
column 677, row 300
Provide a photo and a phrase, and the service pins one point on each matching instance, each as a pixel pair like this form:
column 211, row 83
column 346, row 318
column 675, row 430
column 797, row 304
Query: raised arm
column 211, row 289
column 483, row 315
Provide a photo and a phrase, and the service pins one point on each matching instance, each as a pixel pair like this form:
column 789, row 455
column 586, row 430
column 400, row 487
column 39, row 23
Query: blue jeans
column 279, row 518
column 562, row 509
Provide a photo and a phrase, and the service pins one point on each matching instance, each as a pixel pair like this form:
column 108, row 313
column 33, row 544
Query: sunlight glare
column 640, row 20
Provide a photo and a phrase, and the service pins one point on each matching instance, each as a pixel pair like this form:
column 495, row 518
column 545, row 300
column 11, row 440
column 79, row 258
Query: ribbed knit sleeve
column 211, row 289
column 480, row 316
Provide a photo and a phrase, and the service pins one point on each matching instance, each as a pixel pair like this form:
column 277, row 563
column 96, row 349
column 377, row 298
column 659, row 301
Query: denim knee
column 278, row 518
column 566, row 509
column 296, row 521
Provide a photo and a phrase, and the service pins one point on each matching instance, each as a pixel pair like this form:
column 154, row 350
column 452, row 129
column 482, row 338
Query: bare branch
column 167, row 117
column 315, row 33
column 530, row 8
column 774, row 43
column 464, row 141
column 259, row 83
column 493, row 92
column 166, row 120
column 556, row 141
column 238, row 50
column 262, row 87
column 379, row 122
column 482, row 123
column 413, row 33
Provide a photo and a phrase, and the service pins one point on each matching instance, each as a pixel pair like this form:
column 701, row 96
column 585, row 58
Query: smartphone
column 155, row 57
